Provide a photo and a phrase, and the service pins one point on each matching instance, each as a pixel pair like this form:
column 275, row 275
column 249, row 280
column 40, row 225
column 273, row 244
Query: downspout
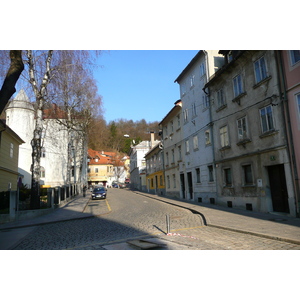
column 288, row 129
column 210, row 124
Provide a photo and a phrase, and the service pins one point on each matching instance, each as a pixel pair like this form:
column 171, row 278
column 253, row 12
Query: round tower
column 20, row 118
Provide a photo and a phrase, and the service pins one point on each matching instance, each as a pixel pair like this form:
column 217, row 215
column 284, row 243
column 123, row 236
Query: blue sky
column 139, row 84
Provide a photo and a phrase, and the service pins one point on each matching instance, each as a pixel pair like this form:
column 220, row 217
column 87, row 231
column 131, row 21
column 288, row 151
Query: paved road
column 126, row 216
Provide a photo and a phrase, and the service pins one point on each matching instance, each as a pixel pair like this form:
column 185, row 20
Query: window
column 266, row 117
column 194, row 112
column 224, row 136
column 192, row 80
column 161, row 180
column 178, row 121
column 173, row 156
column 174, row 181
column 202, row 69
column 183, row 89
column 167, row 158
column 179, row 153
column 295, row 56
column 211, row 173
column 247, row 173
column 168, row 181
column 260, row 69
column 198, row 175
column 298, row 103
column 187, row 146
column 172, row 126
column 228, row 177
column 221, row 98
column 237, row 85
column 185, row 115
column 242, row 128
column 195, row 142
column 207, row 137
column 96, row 170
column 42, row 172
column 205, row 101
column 11, row 150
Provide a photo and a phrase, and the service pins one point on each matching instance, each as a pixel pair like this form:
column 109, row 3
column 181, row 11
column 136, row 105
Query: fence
column 16, row 204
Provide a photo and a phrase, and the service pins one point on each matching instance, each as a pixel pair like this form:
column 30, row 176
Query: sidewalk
column 275, row 226
column 70, row 210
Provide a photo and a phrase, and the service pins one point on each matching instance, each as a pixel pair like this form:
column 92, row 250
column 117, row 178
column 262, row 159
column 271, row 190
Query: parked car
column 99, row 193
column 115, row 185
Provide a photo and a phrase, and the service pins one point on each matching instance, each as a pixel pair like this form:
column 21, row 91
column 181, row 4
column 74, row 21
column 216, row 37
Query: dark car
column 99, row 193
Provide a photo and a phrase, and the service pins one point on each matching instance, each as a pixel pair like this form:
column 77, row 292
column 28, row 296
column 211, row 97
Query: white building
column 56, row 143
column 138, row 163
column 197, row 174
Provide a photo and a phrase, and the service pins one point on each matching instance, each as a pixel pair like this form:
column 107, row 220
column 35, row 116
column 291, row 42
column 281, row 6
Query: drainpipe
column 288, row 129
column 210, row 124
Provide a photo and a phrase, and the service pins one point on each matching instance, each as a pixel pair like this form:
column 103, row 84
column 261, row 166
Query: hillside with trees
column 118, row 135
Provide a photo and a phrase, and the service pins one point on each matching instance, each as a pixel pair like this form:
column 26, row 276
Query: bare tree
column 40, row 74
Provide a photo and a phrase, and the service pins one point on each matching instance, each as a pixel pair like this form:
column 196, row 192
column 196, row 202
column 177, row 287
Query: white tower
column 20, row 118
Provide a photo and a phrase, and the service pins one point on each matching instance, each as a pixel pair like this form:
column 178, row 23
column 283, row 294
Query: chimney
column 152, row 139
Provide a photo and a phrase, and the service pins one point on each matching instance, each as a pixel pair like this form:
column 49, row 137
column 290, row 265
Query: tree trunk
column 12, row 76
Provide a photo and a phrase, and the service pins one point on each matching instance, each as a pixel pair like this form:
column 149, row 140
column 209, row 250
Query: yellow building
column 9, row 157
column 155, row 171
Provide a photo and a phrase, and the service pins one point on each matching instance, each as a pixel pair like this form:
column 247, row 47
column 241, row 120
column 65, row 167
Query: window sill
column 269, row 133
column 225, row 148
column 262, row 82
column 221, row 107
column 237, row 99
column 243, row 142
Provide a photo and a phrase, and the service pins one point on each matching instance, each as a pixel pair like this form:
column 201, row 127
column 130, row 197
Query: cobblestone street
column 126, row 216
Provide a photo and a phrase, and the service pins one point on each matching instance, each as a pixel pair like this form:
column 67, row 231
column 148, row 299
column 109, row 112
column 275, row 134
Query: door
column 182, row 183
column 190, row 184
column 278, row 188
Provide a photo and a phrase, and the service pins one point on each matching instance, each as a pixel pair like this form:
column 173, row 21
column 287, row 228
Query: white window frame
column 238, row 87
column 187, row 146
column 242, row 128
column 224, row 136
column 195, row 142
column 260, row 69
column 202, row 69
column 207, row 137
column 183, row 89
column 194, row 111
column 269, row 122
column 185, row 115
column 11, row 150
column 221, row 97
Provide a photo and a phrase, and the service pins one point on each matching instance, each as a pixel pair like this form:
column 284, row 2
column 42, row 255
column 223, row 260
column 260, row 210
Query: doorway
column 182, row 183
column 278, row 187
column 190, row 184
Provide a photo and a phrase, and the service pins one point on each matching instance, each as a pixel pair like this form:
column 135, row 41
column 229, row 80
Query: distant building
column 172, row 150
column 106, row 167
column 138, row 163
column 155, row 180
column 9, row 158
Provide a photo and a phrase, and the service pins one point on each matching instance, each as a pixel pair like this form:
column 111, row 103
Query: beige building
column 9, row 157
column 250, row 147
column 173, row 155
